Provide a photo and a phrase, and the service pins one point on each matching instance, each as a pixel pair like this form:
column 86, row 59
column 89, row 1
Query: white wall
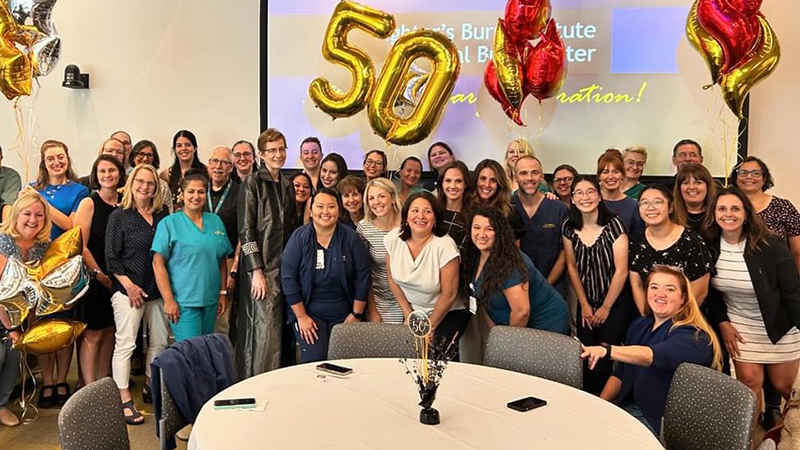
column 156, row 66
column 161, row 65
column 774, row 104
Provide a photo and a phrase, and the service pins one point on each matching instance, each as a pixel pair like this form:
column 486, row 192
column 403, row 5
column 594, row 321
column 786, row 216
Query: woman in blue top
column 512, row 291
column 189, row 260
column 672, row 331
column 24, row 235
column 325, row 270
column 58, row 185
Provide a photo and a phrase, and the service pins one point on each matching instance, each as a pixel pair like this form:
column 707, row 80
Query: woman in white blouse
column 422, row 265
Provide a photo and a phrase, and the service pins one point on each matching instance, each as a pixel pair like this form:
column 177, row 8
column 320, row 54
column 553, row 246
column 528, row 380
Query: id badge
column 320, row 259
column 473, row 302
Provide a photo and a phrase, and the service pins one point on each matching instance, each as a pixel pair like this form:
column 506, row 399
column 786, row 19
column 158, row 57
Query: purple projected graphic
column 632, row 80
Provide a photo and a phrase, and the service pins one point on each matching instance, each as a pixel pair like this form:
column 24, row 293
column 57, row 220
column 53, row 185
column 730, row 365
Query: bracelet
column 606, row 346
column 223, row 292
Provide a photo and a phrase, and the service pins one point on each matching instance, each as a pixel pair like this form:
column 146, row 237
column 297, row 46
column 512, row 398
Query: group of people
column 648, row 276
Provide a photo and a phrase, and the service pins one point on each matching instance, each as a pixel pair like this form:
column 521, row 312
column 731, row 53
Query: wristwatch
column 358, row 316
column 606, row 346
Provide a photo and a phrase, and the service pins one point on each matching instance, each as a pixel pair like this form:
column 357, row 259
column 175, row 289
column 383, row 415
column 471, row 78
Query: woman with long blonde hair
column 671, row 332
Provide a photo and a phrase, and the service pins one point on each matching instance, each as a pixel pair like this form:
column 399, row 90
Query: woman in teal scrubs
column 189, row 260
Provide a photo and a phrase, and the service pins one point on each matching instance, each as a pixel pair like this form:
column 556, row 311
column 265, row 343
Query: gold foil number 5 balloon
column 335, row 48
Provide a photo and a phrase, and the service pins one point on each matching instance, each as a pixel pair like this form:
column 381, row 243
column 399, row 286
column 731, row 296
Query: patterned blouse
column 596, row 262
column 781, row 217
column 10, row 249
column 689, row 253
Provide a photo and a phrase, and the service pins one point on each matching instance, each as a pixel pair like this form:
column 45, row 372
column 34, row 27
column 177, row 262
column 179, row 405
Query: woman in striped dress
column 757, row 298
column 382, row 215
column 596, row 247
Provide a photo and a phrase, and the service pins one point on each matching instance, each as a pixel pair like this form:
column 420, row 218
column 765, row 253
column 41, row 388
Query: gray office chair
column 370, row 340
column 93, row 418
column 707, row 409
column 543, row 354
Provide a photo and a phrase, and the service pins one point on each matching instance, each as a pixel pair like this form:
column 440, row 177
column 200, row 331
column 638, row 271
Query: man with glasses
column 244, row 160
column 125, row 138
column 310, row 157
column 10, row 183
column 222, row 200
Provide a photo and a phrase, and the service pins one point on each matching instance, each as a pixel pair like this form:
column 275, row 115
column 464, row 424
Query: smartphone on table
column 334, row 369
column 526, row 404
column 234, row 403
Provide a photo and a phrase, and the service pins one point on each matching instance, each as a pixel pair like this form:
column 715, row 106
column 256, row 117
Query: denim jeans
column 9, row 370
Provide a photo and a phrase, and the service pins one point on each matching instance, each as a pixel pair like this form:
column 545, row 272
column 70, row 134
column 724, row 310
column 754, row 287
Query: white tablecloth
column 376, row 408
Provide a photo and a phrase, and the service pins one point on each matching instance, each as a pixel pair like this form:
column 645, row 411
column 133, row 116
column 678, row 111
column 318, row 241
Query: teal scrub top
column 193, row 257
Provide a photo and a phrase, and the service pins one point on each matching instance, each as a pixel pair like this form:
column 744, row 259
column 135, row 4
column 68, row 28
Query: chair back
column 93, row 418
column 707, row 409
column 543, row 354
column 371, row 340
column 171, row 419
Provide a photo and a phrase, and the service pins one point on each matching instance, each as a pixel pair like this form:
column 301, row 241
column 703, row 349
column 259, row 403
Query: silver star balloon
column 46, row 48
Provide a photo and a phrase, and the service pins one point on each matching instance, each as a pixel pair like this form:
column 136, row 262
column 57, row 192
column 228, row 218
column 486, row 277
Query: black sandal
column 60, row 399
column 47, row 401
column 133, row 418
column 147, row 396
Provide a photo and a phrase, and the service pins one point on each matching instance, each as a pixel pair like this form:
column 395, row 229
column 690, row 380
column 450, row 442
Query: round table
column 376, row 407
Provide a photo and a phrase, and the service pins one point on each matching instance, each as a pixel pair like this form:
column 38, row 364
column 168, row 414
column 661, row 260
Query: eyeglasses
column 372, row 163
column 150, row 184
column 657, row 203
column 567, row 180
column 216, row 162
column 588, row 193
column 144, row 155
column 756, row 173
column 114, row 151
column 272, row 151
column 238, row 155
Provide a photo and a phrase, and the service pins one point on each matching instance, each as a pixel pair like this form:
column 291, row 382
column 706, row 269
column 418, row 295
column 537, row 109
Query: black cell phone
column 234, row 402
column 526, row 404
column 334, row 369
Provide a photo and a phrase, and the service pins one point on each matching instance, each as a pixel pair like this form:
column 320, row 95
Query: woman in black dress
column 97, row 342
column 666, row 242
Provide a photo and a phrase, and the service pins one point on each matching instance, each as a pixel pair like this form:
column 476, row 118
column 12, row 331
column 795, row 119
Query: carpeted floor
column 42, row 434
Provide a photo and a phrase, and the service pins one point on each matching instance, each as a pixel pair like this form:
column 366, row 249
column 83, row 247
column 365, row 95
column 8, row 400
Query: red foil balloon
column 546, row 65
column 525, row 19
column 746, row 7
column 493, row 86
column 736, row 32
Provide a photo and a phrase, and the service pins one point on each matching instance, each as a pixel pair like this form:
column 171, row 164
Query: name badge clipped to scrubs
column 473, row 302
column 320, row 259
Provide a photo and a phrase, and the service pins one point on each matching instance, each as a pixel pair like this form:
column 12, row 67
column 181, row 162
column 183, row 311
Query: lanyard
column 221, row 199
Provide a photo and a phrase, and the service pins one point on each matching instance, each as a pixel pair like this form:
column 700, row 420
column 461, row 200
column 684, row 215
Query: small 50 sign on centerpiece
column 427, row 369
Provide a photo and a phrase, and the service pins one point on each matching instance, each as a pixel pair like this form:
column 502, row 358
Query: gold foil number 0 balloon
column 335, row 48
column 391, row 85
